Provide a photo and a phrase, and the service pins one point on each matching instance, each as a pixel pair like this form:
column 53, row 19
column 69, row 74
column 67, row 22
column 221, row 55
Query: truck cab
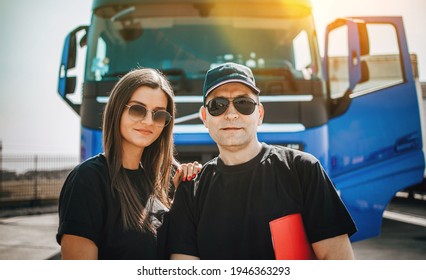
column 356, row 109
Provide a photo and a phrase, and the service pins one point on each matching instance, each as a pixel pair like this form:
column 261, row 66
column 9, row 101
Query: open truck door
column 376, row 143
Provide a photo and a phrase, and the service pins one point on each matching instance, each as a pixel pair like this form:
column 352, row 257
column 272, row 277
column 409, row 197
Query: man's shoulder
column 208, row 167
column 211, row 163
column 285, row 154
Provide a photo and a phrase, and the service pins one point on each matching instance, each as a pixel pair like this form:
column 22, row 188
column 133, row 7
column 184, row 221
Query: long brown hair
column 157, row 159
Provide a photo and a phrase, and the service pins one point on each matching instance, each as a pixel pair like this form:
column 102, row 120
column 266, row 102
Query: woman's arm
column 75, row 247
column 186, row 172
column 183, row 257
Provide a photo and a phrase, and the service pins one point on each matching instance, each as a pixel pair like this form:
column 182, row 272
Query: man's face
column 233, row 130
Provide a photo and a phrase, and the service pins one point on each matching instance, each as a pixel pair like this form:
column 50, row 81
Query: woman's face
column 139, row 132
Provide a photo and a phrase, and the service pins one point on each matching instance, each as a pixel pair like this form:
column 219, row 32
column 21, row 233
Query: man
column 225, row 214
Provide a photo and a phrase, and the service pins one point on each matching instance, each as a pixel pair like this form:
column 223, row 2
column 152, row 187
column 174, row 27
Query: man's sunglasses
column 138, row 113
column 217, row 106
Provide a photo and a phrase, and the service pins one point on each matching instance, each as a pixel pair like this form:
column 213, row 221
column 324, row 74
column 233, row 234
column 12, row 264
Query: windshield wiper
column 123, row 13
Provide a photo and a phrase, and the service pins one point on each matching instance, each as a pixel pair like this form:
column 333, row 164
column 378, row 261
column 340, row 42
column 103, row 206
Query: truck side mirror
column 67, row 84
column 365, row 73
column 364, row 46
column 364, row 42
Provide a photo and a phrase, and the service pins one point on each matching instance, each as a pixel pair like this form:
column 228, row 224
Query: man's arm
column 183, row 257
column 335, row 248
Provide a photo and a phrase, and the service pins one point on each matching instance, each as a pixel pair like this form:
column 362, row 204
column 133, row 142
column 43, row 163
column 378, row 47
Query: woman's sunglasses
column 217, row 106
column 138, row 113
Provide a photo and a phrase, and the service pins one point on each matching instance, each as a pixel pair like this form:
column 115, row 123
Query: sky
column 34, row 120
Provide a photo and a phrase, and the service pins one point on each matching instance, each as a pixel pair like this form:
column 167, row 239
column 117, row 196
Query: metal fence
column 32, row 180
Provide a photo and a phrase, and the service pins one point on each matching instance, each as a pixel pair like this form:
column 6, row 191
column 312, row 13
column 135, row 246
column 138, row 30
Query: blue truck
column 357, row 108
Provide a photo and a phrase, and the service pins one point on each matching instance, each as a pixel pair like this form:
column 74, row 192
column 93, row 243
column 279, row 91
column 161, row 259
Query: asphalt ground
column 29, row 237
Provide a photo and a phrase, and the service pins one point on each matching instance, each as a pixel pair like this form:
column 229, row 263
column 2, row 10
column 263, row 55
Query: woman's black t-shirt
column 88, row 208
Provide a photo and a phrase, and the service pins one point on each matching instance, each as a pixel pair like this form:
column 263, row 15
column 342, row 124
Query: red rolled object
column 289, row 239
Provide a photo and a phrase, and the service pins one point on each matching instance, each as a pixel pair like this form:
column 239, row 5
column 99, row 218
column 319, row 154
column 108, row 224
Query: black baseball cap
column 228, row 73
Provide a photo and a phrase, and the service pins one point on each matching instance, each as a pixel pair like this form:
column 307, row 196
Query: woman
column 112, row 205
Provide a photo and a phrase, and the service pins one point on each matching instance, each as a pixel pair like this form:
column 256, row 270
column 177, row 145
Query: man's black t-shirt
column 88, row 208
column 225, row 214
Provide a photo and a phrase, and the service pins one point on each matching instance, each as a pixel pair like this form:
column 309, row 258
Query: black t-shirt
column 225, row 212
column 88, row 208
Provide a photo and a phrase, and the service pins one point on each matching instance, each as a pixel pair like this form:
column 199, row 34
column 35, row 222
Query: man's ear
column 202, row 115
column 261, row 114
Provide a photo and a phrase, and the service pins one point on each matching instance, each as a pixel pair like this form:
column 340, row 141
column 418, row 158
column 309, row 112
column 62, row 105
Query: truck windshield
column 279, row 49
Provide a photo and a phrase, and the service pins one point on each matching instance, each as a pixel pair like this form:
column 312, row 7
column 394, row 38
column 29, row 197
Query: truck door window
column 338, row 62
column 383, row 61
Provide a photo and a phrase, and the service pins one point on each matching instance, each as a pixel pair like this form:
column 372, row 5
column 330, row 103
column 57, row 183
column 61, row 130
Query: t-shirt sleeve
column 182, row 228
column 81, row 206
column 324, row 213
